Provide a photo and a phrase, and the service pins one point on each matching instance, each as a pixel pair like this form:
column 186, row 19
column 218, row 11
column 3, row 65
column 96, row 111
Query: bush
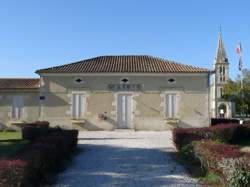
column 32, row 131
column 187, row 151
column 222, row 133
column 224, row 159
column 12, row 173
column 219, row 121
column 242, row 133
column 45, row 155
column 39, row 124
column 240, row 177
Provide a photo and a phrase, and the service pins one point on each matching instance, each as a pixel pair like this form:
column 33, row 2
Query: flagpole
column 239, row 52
column 242, row 92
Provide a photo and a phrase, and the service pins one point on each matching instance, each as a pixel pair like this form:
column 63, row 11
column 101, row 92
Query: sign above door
column 125, row 87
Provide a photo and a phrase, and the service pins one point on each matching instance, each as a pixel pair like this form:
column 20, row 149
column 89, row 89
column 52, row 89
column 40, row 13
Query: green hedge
column 227, row 133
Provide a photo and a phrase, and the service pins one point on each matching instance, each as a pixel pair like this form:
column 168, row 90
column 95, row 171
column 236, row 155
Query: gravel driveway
column 125, row 159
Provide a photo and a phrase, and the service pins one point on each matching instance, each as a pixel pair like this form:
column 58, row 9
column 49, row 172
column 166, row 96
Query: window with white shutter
column 17, row 107
column 171, row 105
column 78, row 105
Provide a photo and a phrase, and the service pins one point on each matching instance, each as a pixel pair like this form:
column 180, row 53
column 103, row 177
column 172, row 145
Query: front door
column 124, row 111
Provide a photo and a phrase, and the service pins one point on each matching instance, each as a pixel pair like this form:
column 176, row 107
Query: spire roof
column 221, row 55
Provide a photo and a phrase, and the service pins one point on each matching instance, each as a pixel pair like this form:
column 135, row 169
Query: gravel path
column 131, row 159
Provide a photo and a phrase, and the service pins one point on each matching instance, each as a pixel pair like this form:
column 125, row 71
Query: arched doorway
column 222, row 110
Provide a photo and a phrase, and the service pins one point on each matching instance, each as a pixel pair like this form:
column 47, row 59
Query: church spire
column 221, row 55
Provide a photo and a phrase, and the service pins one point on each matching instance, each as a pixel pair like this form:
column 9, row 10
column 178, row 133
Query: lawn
column 10, row 136
column 10, row 143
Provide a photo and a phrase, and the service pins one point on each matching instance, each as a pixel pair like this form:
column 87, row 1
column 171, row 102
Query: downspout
column 209, row 99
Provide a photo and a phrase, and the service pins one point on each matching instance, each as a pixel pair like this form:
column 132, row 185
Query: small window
column 221, row 92
column 42, row 97
column 171, row 81
column 220, row 70
column 171, row 105
column 79, row 80
column 124, row 80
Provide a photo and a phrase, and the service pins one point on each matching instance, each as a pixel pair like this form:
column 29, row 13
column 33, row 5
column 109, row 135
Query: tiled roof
column 18, row 83
column 124, row 64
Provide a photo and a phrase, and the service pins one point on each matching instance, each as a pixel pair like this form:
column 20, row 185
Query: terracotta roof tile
column 19, row 83
column 124, row 64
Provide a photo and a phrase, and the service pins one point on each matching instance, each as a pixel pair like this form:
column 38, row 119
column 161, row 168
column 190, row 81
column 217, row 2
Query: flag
column 239, row 49
column 239, row 53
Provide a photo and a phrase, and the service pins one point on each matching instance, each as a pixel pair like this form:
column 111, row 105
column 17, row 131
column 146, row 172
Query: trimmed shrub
column 227, row 161
column 32, row 131
column 221, row 133
column 242, row 133
column 223, row 159
column 39, row 124
column 45, row 155
column 12, row 173
column 219, row 121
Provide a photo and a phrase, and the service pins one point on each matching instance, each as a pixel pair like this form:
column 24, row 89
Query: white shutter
column 174, row 103
column 17, row 107
column 79, row 104
column 83, row 106
column 171, row 105
column 73, row 106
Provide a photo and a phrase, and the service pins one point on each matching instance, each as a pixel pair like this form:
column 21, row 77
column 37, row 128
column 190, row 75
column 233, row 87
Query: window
column 171, row 105
column 220, row 70
column 78, row 80
column 17, row 107
column 171, row 81
column 221, row 92
column 124, row 80
column 78, row 105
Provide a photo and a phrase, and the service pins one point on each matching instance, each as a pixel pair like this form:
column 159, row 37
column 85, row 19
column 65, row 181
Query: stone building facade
column 111, row 92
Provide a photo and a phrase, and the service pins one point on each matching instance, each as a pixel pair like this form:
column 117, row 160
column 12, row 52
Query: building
column 111, row 92
column 219, row 106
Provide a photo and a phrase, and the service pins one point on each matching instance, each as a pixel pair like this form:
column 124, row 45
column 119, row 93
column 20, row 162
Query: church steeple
column 221, row 55
column 219, row 106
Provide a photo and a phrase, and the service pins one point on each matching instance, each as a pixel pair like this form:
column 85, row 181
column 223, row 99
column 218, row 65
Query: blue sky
column 37, row 34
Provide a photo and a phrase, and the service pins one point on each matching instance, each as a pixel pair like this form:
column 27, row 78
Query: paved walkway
column 131, row 159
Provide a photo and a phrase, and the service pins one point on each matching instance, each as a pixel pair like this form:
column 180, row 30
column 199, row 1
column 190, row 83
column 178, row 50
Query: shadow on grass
column 9, row 148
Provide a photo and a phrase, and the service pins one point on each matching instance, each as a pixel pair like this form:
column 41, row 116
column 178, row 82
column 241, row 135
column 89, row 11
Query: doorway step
column 125, row 130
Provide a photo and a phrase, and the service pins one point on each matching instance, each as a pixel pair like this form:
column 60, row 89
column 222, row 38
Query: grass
column 211, row 179
column 10, row 136
column 10, row 143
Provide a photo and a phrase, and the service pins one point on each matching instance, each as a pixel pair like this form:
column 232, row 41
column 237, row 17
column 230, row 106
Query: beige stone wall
column 148, row 104
column 30, row 110
column 148, row 110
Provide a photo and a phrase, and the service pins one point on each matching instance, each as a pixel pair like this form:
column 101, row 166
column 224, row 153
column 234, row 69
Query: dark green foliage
column 240, row 177
column 220, row 121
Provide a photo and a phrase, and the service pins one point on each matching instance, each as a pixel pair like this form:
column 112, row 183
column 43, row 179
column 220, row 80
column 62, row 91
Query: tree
column 233, row 91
